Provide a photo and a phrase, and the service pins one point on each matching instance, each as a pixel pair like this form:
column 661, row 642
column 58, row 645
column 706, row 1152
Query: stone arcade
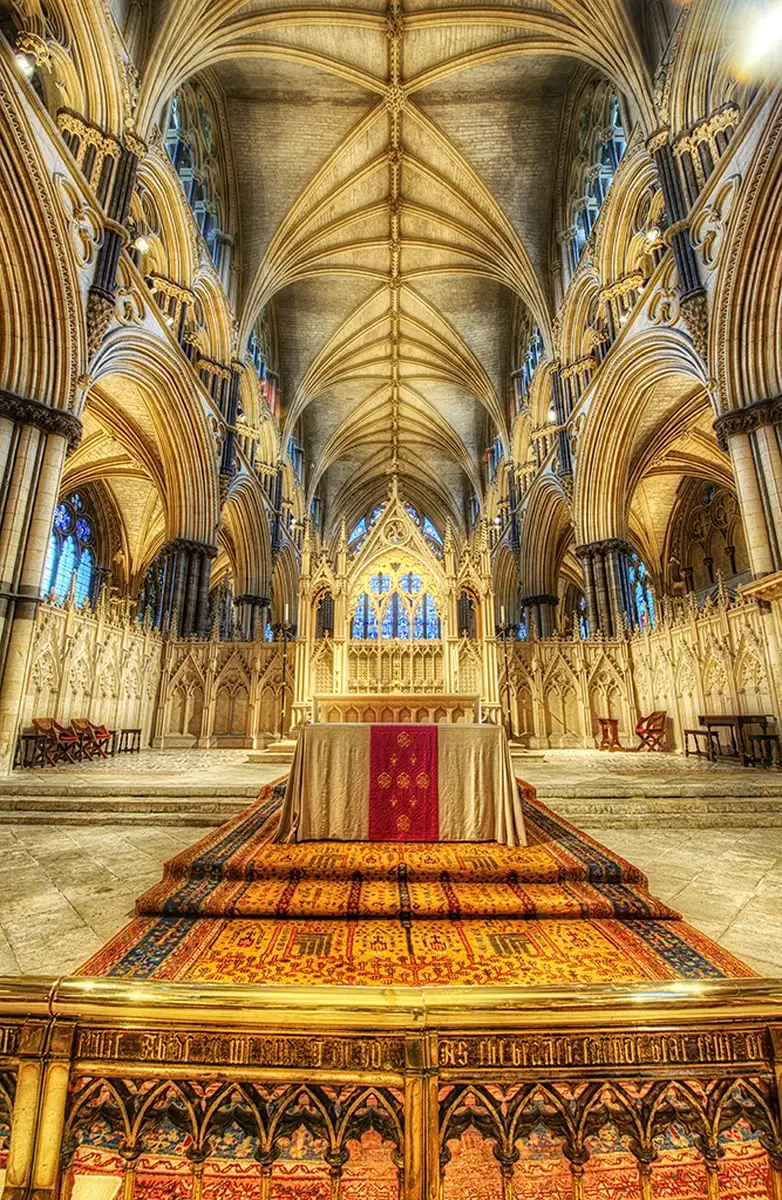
column 390, row 362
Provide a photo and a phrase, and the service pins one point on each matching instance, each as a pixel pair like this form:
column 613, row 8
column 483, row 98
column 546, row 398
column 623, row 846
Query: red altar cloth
column 403, row 791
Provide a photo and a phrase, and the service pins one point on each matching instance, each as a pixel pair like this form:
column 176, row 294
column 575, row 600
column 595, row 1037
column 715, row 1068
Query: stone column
column 33, row 442
column 543, row 608
column 101, row 297
column 692, row 293
column 606, row 585
column 563, row 437
column 188, row 569
column 753, row 437
column 249, row 607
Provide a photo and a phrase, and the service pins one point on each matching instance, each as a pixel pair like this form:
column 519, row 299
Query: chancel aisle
column 356, row 782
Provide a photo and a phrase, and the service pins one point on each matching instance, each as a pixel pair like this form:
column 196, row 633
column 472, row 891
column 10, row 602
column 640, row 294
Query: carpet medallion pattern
column 238, row 907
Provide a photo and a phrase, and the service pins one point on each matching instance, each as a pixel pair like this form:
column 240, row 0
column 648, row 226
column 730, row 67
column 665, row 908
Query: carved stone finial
column 100, row 313
column 695, row 314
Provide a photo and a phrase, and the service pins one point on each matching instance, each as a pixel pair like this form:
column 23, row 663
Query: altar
column 411, row 783
column 382, row 708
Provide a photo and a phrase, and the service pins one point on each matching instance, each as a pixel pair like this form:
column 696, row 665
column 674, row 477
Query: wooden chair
column 62, row 742
column 93, row 739
column 651, row 731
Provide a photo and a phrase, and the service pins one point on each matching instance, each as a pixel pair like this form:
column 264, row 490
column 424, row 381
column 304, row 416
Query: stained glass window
column 69, row 560
column 583, row 623
column 431, row 531
column 150, row 596
column 395, row 608
column 63, row 518
column 643, row 595
column 389, row 622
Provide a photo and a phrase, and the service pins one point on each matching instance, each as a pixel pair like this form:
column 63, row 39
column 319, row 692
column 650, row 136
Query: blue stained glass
column 50, row 564
column 403, row 621
column 84, row 577
column 371, row 626
column 359, row 530
column 65, row 569
column 411, row 583
column 357, row 629
column 376, row 514
column 83, row 529
column 380, row 584
column 431, row 531
column 268, row 633
column 413, row 513
column 419, row 627
column 432, row 620
column 62, row 518
column 388, row 618
column 76, row 501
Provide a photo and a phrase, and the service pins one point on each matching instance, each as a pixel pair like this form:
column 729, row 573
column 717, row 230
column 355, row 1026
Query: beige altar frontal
column 359, row 782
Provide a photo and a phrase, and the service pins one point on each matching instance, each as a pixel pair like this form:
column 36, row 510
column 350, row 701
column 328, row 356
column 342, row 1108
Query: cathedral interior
column 390, row 600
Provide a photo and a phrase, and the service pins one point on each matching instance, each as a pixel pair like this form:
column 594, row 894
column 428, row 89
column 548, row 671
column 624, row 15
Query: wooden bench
column 711, row 743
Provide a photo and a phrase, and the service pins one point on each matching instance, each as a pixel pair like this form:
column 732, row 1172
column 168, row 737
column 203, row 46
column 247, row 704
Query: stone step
column 222, row 807
column 182, row 819
column 97, row 787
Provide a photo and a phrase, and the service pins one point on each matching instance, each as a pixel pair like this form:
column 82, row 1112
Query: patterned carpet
column 237, row 907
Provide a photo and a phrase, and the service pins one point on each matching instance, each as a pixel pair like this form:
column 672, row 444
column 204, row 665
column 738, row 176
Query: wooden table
column 738, row 724
column 410, row 782
column 129, row 741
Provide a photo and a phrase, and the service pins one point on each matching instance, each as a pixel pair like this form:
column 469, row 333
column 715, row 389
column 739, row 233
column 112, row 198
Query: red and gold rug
column 237, row 907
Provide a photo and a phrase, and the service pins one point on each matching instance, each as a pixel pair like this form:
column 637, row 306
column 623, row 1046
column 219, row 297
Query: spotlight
column 25, row 65
column 760, row 49
column 141, row 244
column 653, row 235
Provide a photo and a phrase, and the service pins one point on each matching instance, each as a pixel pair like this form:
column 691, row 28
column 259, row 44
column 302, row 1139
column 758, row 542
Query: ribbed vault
column 395, row 165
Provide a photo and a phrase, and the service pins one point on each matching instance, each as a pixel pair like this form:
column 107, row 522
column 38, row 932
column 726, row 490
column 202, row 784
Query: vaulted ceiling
column 395, row 169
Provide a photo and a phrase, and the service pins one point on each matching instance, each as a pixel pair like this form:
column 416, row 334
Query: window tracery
column 642, row 591
column 70, row 560
column 191, row 146
column 395, row 608
column 599, row 145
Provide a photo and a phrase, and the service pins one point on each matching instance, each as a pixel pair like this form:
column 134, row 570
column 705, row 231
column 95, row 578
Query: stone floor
column 65, row 888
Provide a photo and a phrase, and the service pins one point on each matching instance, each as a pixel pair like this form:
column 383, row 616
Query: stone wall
column 96, row 664
column 724, row 658
column 222, row 694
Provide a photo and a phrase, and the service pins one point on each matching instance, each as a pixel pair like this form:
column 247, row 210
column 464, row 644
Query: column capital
column 42, row 416
column 658, row 139
column 747, row 419
column 606, row 546
column 527, row 601
column 253, row 601
column 188, row 546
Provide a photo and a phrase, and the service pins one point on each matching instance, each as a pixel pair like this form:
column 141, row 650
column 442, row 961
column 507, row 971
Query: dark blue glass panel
column 432, row 620
column 371, row 627
column 357, row 629
column 83, row 529
column 63, row 518
column 419, row 627
column 65, row 569
column 84, row 577
column 50, row 566
column 431, row 531
column 403, row 621
column 359, row 529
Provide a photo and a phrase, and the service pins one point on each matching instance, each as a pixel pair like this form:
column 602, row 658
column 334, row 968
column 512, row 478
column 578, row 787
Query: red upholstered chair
column 62, row 742
column 651, row 731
